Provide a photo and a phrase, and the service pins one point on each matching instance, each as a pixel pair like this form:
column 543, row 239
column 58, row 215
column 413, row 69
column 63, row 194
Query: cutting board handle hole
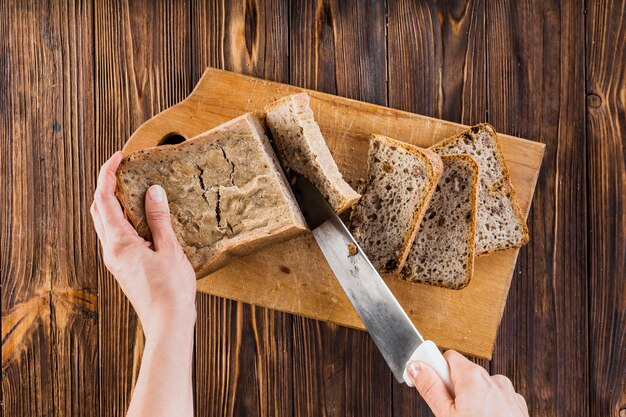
column 172, row 139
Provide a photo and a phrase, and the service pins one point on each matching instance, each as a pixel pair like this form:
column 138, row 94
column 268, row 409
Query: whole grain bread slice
column 226, row 191
column 442, row 253
column 500, row 223
column 301, row 147
column 400, row 181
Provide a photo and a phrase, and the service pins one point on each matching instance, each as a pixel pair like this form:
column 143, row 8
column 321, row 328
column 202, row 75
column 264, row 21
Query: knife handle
column 429, row 353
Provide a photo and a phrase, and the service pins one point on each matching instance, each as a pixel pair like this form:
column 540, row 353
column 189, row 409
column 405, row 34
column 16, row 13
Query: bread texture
column 500, row 223
column 301, row 147
column 226, row 191
column 442, row 253
column 400, row 181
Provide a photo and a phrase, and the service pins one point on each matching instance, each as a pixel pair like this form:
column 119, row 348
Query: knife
column 387, row 323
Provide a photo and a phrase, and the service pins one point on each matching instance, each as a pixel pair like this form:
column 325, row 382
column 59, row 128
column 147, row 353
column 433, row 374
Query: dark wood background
column 77, row 77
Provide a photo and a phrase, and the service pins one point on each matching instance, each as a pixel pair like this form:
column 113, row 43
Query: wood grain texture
column 142, row 57
column 535, row 80
column 243, row 361
column 437, row 59
column 49, row 317
column 606, row 140
column 26, row 340
column 246, row 36
column 243, row 352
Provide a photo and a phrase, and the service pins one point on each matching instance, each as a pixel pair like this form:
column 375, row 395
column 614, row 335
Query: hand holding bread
column 156, row 276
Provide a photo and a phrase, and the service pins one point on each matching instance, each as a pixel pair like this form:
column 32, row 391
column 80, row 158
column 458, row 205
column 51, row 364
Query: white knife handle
column 428, row 353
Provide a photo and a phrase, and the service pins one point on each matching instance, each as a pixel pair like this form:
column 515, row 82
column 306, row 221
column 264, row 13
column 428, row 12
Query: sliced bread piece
column 400, row 181
column 500, row 223
column 442, row 253
column 226, row 192
column 301, row 147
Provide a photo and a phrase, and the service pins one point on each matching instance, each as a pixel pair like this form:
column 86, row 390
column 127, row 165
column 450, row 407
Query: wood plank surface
column 606, row 144
column 49, row 315
column 535, row 88
column 142, row 57
column 243, row 353
column 77, row 77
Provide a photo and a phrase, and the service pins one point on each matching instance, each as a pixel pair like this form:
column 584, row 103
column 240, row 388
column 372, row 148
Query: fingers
column 457, row 360
column 158, row 217
column 111, row 214
column 97, row 222
column 503, row 382
column 507, row 388
column 522, row 403
column 463, row 370
column 471, row 379
column 431, row 388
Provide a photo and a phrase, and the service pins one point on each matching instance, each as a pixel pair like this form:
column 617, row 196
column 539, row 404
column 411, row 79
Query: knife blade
column 387, row 323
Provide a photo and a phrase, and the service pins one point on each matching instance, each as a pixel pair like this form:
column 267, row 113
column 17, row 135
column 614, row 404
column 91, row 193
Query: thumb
column 431, row 388
column 158, row 218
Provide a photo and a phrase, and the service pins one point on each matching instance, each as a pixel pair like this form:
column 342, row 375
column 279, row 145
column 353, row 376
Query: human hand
column 476, row 393
column 156, row 277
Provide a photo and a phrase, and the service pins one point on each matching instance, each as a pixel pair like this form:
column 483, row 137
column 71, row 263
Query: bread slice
column 226, row 192
column 400, row 181
column 500, row 223
column 301, row 147
column 442, row 253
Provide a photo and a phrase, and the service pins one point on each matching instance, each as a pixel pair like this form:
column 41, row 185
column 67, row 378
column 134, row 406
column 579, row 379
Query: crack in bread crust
column 232, row 166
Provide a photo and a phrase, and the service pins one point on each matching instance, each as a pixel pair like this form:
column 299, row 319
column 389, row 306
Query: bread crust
column 410, row 276
column 434, row 167
column 506, row 177
column 472, row 238
column 300, row 104
column 246, row 247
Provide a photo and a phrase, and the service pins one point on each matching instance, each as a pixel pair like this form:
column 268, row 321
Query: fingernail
column 415, row 369
column 155, row 193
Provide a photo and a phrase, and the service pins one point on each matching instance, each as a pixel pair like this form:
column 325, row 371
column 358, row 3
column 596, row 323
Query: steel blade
column 387, row 323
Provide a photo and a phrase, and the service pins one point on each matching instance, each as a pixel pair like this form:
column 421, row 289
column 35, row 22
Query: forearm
column 164, row 387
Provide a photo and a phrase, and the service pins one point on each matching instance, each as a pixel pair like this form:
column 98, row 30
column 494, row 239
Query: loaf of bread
column 301, row 147
column 400, row 181
column 442, row 253
column 500, row 223
column 226, row 191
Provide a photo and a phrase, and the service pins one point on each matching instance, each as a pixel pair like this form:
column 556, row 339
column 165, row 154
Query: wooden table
column 78, row 77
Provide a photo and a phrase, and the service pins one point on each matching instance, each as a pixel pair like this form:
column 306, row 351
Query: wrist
column 170, row 325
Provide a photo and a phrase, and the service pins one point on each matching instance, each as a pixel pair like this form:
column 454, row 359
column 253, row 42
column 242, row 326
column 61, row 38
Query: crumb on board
column 351, row 249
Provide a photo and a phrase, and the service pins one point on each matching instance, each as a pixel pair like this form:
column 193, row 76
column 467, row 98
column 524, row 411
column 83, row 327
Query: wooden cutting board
column 293, row 276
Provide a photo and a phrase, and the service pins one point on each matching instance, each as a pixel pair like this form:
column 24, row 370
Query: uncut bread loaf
column 442, row 253
column 500, row 223
column 301, row 147
column 226, row 191
column 400, row 181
